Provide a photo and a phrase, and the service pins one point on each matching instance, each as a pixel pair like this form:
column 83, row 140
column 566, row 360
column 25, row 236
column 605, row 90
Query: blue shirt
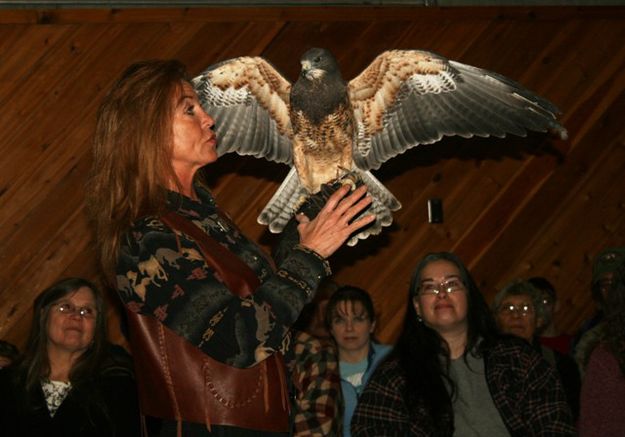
column 377, row 352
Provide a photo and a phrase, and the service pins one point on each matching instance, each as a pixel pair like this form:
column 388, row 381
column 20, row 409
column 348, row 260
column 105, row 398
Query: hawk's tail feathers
column 281, row 207
column 383, row 205
column 290, row 195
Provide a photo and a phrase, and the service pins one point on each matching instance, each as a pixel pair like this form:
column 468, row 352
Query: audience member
column 451, row 374
column 313, row 364
column 603, row 387
column 67, row 383
column 549, row 334
column 604, row 266
column 519, row 310
column 350, row 318
column 8, row 353
column 206, row 306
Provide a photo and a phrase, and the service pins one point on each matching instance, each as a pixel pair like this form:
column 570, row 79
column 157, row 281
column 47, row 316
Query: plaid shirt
column 316, row 385
column 524, row 388
column 162, row 273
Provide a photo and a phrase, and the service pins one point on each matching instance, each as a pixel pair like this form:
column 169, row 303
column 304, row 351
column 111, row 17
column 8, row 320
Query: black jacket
column 103, row 406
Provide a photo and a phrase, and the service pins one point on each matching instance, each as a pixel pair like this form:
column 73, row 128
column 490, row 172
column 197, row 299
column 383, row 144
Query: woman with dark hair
column 603, row 385
column 208, row 311
column 350, row 318
column 450, row 374
column 67, row 382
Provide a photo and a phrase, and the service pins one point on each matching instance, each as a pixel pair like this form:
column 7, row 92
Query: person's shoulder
column 389, row 371
column 601, row 355
column 381, row 347
column 11, row 382
column 10, row 372
column 512, row 349
column 381, row 350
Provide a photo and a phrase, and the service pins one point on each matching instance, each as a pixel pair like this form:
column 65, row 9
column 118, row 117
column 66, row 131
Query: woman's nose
column 442, row 294
column 207, row 121
column 210, row 122
column 75, row 315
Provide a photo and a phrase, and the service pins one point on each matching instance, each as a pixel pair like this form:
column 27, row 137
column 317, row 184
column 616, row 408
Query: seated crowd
column 459, row 368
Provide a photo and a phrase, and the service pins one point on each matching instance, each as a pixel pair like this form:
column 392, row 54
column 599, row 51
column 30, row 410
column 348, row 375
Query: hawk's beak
column 306, row 65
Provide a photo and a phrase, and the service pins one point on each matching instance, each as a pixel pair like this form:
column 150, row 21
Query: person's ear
column 372, row 329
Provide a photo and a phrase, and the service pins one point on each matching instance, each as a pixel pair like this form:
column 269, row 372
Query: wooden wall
column 513, row 207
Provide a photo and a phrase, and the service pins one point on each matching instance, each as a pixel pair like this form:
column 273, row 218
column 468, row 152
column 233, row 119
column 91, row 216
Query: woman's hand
column 331, row 227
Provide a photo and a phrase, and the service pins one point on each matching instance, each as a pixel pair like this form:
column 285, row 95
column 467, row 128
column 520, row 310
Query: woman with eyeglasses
column 450, row 374
column 519, row 311
column 69, row 381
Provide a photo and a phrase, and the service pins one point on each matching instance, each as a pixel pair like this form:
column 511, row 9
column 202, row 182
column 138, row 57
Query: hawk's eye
column 317, row 59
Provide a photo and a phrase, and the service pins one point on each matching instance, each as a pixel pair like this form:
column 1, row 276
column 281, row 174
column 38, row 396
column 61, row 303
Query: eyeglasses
column 68, row 308
column 433, row 288
column 522, row 310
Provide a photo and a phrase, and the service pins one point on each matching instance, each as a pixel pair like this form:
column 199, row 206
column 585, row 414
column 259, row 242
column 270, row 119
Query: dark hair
column 34, row 362
column 419, row 348
column 544, row 285
column 8, row 350
column 349, row 293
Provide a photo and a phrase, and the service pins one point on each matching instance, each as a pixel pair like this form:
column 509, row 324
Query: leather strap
column 238, row 276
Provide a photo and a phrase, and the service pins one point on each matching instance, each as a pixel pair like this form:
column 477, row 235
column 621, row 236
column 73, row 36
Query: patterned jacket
column 162, row 273
column 524, row 388
column 316, row 388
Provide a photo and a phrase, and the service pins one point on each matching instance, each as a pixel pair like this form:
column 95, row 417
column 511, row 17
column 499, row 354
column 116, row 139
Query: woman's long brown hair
column 132, row 153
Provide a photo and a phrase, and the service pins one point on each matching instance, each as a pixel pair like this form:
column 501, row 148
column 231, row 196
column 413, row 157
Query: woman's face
column 445, row 311
column 194, row 141
column 516, row 316
column 351, row 327
column 68, row 330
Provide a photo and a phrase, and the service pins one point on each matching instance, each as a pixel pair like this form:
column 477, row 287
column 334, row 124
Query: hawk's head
column 318, row 62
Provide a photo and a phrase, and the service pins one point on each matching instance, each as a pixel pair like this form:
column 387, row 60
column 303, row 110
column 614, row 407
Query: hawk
column 325, row 127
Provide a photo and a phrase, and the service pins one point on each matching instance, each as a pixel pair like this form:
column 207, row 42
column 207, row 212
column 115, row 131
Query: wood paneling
column 513, row 207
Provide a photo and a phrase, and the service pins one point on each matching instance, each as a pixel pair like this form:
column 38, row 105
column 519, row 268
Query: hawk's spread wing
column 249, row 101
column 407, row 97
